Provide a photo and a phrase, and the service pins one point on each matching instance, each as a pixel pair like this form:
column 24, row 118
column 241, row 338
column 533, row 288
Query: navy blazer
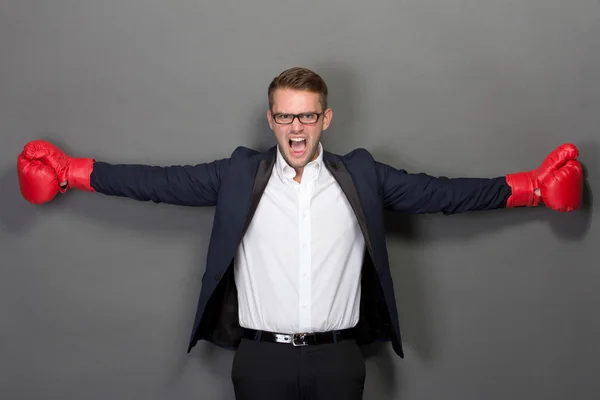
column 235, row 185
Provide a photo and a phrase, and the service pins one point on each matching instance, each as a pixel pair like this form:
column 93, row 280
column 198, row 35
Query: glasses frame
column 294, row 116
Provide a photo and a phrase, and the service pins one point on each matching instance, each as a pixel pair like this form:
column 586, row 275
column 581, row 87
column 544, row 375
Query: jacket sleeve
column 418, row 193
column 187, row 185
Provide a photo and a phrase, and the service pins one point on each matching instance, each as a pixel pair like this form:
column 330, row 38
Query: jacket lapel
column 263, row 173
column 344, row 179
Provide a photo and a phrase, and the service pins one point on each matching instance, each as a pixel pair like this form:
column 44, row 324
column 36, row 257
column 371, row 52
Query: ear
column 327, row 117
column 270, row 118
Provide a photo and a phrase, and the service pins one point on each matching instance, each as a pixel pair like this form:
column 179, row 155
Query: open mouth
column 298, row 146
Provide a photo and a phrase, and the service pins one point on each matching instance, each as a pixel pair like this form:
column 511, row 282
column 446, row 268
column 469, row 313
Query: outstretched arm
column 187, row 185
column 422, row 193
column 558, row 183
column 44, row 170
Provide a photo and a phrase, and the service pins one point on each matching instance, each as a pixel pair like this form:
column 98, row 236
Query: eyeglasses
column 304, row 118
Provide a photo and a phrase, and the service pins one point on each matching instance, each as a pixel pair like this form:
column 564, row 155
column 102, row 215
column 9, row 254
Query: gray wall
column 97, row 294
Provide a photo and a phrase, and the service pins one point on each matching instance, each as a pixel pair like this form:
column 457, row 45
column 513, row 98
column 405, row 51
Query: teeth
column 297, row 139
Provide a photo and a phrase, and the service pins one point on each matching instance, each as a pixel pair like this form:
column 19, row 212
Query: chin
column 299, row 162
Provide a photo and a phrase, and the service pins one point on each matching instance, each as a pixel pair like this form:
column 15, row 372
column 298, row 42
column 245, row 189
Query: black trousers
column 277, row 371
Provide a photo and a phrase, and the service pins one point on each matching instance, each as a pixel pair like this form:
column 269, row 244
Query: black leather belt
column 300, row 339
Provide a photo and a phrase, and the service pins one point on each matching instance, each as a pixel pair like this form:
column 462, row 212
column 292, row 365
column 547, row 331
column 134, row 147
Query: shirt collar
column 311, row 170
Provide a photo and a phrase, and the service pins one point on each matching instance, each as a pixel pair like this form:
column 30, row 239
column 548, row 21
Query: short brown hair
column 301, row 79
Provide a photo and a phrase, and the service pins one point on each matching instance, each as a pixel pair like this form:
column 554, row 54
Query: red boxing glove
column 559, row 181
column 42, row 167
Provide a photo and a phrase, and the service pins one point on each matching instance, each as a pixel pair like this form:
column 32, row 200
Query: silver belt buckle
column 299, row 339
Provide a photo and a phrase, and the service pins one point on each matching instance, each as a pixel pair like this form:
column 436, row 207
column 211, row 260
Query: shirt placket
column 304, row 233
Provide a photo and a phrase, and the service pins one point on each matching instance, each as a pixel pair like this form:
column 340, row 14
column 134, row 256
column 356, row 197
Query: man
column 297, row 273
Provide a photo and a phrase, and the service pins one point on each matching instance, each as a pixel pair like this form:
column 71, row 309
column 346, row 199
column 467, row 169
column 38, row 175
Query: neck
column 298, row 177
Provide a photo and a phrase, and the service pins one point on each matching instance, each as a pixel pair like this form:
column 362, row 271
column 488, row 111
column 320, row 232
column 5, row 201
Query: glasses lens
column 310, row 118
column 284, row 118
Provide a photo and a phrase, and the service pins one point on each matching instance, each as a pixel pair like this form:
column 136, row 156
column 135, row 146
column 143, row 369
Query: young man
column 297, row 273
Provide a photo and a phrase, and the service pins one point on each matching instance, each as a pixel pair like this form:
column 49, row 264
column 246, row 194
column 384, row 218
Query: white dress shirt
column 298, row 267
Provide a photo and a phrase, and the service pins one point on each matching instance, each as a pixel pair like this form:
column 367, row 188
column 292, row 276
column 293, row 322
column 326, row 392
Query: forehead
column 295, row 101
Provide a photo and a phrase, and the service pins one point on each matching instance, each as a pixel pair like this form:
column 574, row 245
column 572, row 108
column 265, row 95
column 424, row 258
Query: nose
column 297, row 125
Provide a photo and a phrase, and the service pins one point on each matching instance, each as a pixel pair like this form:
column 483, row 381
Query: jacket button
column 218, row 276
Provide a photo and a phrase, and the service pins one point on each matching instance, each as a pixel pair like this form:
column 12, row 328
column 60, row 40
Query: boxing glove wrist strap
column 523, row 190
column 79, row 173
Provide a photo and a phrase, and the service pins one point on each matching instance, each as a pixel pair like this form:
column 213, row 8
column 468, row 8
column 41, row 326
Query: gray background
column 97, row 294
